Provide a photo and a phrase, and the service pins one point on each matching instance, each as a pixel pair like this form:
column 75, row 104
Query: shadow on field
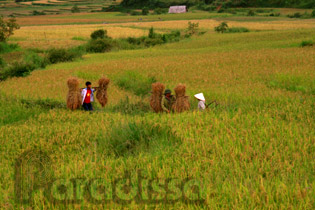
column 134, row 138
column 14, row 110
column 126, row 107
column 293, row 83
column 45, row 103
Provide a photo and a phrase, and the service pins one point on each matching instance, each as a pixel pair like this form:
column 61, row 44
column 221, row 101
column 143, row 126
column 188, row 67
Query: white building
column 177, row 9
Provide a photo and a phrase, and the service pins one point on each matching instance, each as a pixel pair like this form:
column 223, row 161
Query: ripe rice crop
column 74, row 96
column 101, row 93
column 156, row 97
column 182, row 101
column 210, row 24
column 63, row 36
column 254, row 151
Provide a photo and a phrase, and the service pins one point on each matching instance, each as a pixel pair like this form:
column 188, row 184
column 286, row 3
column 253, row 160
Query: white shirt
column 83, row 94
column 201, row 105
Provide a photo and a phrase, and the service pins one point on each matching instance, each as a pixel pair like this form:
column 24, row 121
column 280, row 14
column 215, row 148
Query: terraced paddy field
column 50, row 35
column 25, row 8
column 254, row 150
column 67, row 36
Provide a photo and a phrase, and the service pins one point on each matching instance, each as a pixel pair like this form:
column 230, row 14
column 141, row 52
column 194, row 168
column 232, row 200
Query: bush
column 231, row 11
column 260, row 10
column 205, row 7
column 221, row 10
column 152, row 34
column 75, row 9
column 139, row 84
column 99, row 34
column 62, row 55
column 313, row 13
column 99, row 45
column 226, row 4
column 307, row 43
column 295, row 15
column 7, row 27
column 6, row 48
column 275, row 14
column 145, row 11
column 251, row 13
column 153, row 41
column 192, row 28
column 174, row 36
column 154, row 38
column 17, row 69
column 35, row 13
column 2, row 63
column 159, row 11
column 124, row 44
column 224, row 28
column 146, row 41
column 221, row 28
column 36, row 60
column 135, row 13
column 237, row 30
column 134, row 41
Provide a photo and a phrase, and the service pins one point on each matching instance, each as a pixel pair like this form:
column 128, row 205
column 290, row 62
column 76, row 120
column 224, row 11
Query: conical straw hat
column 200, row 96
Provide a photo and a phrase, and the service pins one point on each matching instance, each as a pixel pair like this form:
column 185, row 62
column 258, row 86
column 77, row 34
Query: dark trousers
column 87, row 107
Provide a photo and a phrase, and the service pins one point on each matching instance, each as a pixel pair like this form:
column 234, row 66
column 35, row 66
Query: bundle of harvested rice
column 182, row 102
column 74, row 96
column 156, row 97
column 101, row 93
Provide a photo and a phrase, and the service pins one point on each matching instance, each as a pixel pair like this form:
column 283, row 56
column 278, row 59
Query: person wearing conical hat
column 168, row 101
column 202, row 101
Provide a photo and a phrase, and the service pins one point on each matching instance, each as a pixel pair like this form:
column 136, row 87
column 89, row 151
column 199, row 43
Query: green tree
column 221, row 28
column 75, row 9
column 99, row 34
column 7, row 28
column 145, row 11
column 192, row 28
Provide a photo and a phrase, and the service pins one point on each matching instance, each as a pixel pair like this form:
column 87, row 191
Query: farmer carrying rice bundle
column 168, row 101
column 87, row 96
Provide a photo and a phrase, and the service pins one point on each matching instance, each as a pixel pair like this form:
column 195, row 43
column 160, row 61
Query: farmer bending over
column 167, row 101
column 87, row 97
column 202, row 101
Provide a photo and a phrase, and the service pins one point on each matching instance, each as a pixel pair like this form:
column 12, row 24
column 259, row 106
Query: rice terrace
column 157, row 104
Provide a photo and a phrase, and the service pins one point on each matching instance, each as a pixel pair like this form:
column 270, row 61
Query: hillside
column 228, row 3
column 253, row 150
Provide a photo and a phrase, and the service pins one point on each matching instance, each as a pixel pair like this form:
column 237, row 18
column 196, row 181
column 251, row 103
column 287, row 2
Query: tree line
column 228, row 3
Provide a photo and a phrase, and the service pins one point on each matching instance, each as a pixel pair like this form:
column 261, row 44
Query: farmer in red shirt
column 87, row 97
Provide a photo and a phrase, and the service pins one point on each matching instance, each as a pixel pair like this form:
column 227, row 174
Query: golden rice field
column 74, row 35
column 255, row 150
column 68, row 35
column 210, row 24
